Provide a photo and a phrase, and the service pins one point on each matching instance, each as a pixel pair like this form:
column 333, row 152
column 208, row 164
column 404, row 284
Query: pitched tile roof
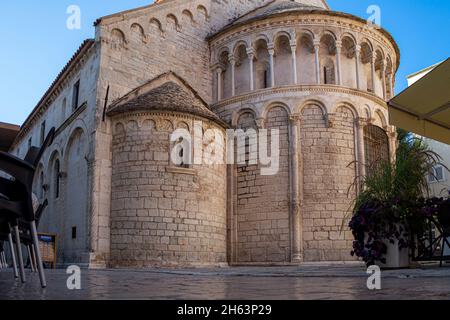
column 167, row 92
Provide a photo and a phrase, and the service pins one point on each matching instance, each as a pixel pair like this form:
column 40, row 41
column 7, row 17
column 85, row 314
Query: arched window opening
column 327, row 59
column 379, row 66
column 306, row 70
column 283, row 61
column 181, row 156
column 57, row 178
column 242, row 72
column 366, row 61
column 261, row 65
column 376, row 145
column 348, row 62
column 329, row 73
column 225, row 80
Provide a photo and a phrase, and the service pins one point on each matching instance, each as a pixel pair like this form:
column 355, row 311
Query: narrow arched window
column 329, row 72
column 180, row 155
column 57, row 179
column 376, row 145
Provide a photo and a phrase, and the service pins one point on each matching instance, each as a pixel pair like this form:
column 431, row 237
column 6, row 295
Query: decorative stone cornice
column 324, row 89
column 169, row 115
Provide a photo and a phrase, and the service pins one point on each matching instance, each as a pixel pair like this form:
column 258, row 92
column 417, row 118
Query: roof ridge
column 162, row 75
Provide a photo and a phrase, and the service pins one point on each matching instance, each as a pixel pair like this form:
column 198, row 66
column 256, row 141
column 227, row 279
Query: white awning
column 424, row 107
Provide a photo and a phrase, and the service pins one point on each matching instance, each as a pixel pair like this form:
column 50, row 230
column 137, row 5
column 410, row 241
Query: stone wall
column 161, row 214
column 73, row 150
column 263, row 201
column 139, row 45
column 328, row 151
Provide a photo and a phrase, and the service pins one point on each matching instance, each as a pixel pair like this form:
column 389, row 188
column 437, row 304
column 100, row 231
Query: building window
column 181, row 156
column 376, row 145
column 76, row 95
column 42, row 137
column 74, row 233
column 30, row 143
column 329, row 72
column 57, row 178
column 437, row 174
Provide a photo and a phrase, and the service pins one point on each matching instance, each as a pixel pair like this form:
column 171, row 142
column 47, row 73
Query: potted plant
column 388, row 211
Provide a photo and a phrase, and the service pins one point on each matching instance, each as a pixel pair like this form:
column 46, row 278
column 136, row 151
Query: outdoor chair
column 6, row 236
column 19, row 205
column 26, row 238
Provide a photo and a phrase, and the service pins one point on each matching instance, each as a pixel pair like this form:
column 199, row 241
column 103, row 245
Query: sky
column 37, row 44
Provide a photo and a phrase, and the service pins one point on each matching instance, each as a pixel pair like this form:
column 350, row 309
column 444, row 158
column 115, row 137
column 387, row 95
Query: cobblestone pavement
column 261, row 283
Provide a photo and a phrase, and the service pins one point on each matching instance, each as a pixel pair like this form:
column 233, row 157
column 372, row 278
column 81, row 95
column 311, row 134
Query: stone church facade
column 320, row 77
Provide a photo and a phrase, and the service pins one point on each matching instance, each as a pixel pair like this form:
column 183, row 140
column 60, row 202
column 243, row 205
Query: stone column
column 219, row 84
column 392, row 134
column 360, row 125
column 372, row 64
column 294, row 62
column 232, row 61
column 338, row 62
column 358, row 61
column 383, row 79
column 251, row 57
column 296, row 218
column 317, row 59
column 272, row 64
column 391, row 84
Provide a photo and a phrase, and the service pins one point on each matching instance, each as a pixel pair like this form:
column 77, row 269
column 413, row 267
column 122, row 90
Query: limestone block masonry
column 161, row 214
column 320, row 77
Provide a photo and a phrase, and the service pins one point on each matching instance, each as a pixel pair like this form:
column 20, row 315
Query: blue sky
column 37, row 44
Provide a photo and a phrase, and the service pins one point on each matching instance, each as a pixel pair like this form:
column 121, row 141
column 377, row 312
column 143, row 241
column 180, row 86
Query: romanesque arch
column 203, row 12
column 366, row 78
column 389, row 85
column 242, row 69
column 305, row 58
column 348, row 61
column 261, row 64
column 328, row 72
column 137, row 33
column 225, row 82
column 283, row 59
column 172, row 22
column 75, row 225
column 379, row 61
column 155, row 24
column 118, row 39
column 188, row 17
